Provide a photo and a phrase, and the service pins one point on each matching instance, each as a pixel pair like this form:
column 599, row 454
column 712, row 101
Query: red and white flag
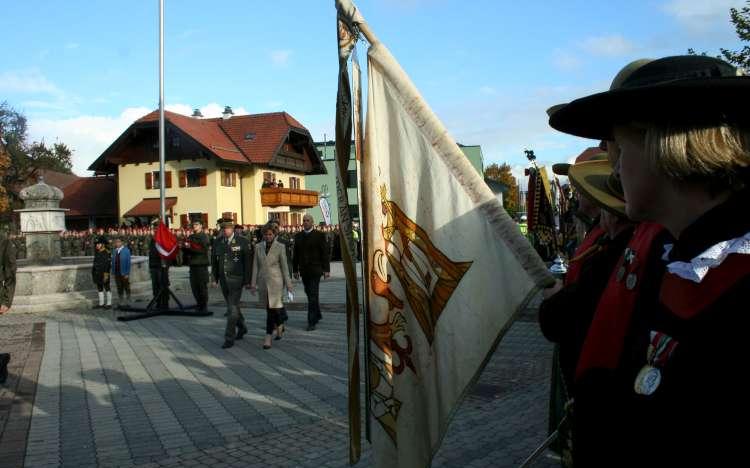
column 166, row 242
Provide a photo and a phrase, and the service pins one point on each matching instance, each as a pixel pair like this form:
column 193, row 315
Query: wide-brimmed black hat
column 681, row 89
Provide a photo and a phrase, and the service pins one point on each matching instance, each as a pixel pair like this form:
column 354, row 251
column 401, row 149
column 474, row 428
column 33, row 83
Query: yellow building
column 248, row 168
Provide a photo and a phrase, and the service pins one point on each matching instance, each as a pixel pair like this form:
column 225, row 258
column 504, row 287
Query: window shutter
column 204, row 218
column 203, row 177
column 184, row 221
column 149, row 181
column 168, row 179
column 234, row 179
column 234, row 218
column 182, row 177
column 226, row 215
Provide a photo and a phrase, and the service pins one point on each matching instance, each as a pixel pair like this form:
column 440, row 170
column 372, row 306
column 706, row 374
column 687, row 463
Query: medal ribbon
column 661, row 348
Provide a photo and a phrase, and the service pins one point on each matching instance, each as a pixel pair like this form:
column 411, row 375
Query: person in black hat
column 660, row 379
column 231, row 268
column 100, row 272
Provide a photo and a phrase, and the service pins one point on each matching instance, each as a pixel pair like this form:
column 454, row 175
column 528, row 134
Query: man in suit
column 311, row 261
column 7, row 289
column 231, row 268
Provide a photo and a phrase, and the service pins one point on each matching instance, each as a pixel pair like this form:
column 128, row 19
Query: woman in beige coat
column 270, row 277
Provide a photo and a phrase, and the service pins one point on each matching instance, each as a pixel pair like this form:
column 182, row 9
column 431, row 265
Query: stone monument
column 42, row 220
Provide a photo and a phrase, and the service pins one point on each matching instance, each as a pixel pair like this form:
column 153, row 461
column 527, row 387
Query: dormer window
column 250, row 136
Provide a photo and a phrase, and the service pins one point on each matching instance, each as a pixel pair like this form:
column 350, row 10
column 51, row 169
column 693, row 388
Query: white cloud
column 72, row 45
column 488, row 90
column 565, row 61
column 608, row 46
column 89, row 135
column 701, row 15
column 30, row 81
column 280, row 57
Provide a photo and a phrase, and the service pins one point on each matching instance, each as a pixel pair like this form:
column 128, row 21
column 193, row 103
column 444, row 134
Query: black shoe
column 310, row 327
column 241, row 333
column 227, row 344
column 265, row 346
column 4, row 360
column 98, row 307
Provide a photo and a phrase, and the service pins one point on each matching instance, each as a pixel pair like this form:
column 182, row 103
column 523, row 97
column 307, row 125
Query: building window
column 192, row 178
column 269, row 179
column 354, row 211
column 351, row 181
column 199, row 217
column 152, row 180
column 294, row 183
column 228, row 178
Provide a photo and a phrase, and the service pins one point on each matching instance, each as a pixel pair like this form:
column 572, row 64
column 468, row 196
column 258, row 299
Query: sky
column 83, row 71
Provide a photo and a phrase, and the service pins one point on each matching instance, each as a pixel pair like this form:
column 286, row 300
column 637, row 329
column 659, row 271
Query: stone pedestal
column 42, row 219
column 43, row 248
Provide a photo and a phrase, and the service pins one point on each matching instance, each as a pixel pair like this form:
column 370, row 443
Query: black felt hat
column 681, row 89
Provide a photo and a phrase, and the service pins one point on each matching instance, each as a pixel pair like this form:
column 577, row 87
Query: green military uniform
column 196, row 248
column 231, row 267
column 7, row 271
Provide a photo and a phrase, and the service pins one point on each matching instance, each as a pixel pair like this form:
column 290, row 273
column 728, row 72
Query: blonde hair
column 716, row 155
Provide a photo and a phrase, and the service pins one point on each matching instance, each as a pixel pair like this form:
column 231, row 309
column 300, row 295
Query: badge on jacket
column 660, row 349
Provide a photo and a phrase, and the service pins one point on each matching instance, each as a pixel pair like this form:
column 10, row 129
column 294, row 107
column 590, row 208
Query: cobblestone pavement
column 161, row 392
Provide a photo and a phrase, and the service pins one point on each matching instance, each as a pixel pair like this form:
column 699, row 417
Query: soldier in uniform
column 196, row 248
column 231, row 268
column 7, row 289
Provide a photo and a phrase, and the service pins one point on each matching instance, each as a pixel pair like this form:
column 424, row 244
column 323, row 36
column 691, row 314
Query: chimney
column 197, row 113
column 227, row 113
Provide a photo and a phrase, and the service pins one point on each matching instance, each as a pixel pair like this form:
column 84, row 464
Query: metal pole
column 162, row 208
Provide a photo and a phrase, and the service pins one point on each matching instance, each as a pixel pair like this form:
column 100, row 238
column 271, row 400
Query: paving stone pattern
column 161, row 392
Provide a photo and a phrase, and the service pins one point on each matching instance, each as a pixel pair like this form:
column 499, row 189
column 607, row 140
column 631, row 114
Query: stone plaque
column 42, row 221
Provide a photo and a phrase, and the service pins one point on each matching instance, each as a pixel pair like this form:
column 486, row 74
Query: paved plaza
column 86, row 390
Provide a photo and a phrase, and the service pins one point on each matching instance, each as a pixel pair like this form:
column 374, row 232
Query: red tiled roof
column 150, row 206
column 90, row 196
column 248, row 139
column 58, row 179
column 204, row 131
column 226, row 137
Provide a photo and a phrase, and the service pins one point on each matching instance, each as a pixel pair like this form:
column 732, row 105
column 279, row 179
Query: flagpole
column 162, row 208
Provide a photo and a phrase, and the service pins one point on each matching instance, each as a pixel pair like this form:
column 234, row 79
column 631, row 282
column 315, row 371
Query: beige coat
column 270, row 274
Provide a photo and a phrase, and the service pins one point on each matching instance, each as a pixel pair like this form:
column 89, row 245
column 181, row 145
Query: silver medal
column 647, row 381
column 631, row 281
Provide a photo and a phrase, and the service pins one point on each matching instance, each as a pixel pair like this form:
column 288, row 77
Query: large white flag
column 447, row 269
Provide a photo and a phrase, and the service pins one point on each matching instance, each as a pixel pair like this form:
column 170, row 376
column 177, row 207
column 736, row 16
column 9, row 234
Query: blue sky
column 82, row 71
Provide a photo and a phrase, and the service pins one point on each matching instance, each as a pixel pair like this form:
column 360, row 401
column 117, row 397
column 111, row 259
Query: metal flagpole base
column 153, row 309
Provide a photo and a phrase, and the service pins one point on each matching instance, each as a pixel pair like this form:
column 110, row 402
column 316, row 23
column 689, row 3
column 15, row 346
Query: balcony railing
column 288, row 197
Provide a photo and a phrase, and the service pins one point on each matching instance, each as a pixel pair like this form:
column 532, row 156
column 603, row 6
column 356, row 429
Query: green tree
column 503, row 173
column 741, row 21
column 25, row 158
column 740, row 18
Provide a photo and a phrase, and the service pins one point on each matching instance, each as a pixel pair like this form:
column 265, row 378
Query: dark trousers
column 160, row 283
column 123, row 285
column 199, row 285
column 102, row 285
column 232, row 290
column 273, row 319
column 312, row 286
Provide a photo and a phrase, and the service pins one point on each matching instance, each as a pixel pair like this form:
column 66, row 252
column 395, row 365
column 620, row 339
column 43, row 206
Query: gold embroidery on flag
column 428, row 279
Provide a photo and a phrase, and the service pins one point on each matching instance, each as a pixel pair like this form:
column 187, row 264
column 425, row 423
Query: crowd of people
column 83, row 243
column 649, row 320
